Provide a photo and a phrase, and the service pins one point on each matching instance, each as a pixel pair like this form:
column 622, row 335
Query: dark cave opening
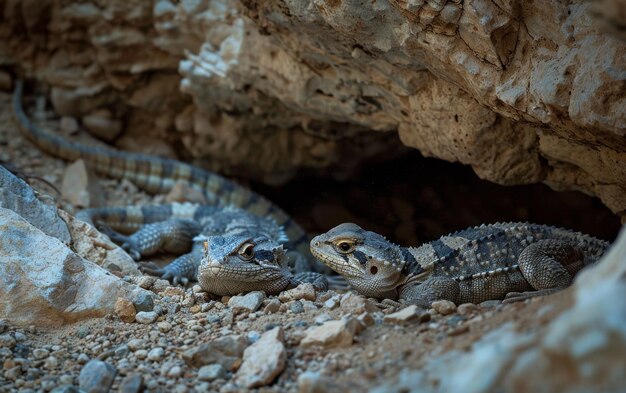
column 412, row 199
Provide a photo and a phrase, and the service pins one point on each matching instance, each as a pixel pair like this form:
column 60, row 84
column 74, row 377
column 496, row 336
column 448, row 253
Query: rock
column 467, row 309
column 156, row 354
column 331, row 334
column 125, row 309
column 146, row 317
column 183, row 192
column 296, row 307
column 211, row 372
column 68, row 125
column 7, row 341
column 250, row 301
column 136, row 343
column 102, row 125
column 253, row 336
column 164, row 326
column 272, row 306
column 314, row 382
column 50, row 285
column 143, row 301
column 366, row 319
column 175, row 372
column 96, row 376
column 303, row 291
column 132, row 383
column 81, row 187
column 263, row 361
column 356, row 304
column 444, row 307
column 332, row 303
column 225, row 350
column 6, row 83
column 407, row 315
column 96, row 247
column 16, row 195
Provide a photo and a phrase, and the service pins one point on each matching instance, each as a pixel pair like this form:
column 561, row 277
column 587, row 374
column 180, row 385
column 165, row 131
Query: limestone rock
column 264, row 360
column 407, row 315
column 101, row 124
column 146, row 317
column 125, row 309
column 131, row 384
column 92, row 245
column 356, row 304
column 211, row 372
column 81, row 186
column 225, row 350
column 16, row 195
column 331, row 334
column 43, row 283
column 444, row 307
column 96, row 376
column 303, row 291
column 250, row 301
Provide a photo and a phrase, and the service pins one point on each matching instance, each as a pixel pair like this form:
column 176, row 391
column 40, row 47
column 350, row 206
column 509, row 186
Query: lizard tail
column 156, row 174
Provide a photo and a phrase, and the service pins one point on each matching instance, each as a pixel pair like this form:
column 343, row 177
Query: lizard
column 158, row 175
column 511, row 261
column 226, row 249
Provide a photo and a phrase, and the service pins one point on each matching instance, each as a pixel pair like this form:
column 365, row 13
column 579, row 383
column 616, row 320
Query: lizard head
column 243, row 262
column 369, row 262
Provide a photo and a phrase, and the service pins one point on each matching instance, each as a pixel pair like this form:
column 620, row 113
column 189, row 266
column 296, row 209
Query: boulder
column 44, row 283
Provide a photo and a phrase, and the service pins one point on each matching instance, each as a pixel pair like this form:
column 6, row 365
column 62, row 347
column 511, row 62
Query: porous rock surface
column 523, row 92
column 44, row 283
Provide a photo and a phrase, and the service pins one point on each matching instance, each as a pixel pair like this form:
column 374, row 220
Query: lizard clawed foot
column 514, row 297
column 153, row 269
column 131, row 250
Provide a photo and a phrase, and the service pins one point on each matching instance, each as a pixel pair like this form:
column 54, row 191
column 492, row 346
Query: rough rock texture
column 92, row 245
column 264, row 360
column 523, row 92
column 16, row 195
column 42, row 282
column 580, row 351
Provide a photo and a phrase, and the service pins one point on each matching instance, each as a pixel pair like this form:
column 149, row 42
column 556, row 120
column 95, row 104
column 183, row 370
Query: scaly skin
column 227, row 250
column 158, row 175
column 512, row 260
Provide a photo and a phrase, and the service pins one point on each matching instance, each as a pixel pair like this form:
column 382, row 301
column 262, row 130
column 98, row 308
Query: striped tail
column 158, row 175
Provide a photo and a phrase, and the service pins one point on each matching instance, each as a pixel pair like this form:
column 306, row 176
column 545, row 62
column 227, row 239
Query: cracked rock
column 331, row 334
column 264, row 360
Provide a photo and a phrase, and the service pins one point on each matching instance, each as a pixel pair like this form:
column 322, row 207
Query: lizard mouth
column 342, row 267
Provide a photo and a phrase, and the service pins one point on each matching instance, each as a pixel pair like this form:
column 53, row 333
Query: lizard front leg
column 173, row 236
column 424, row 293
column 548, row 266
column 182, row 269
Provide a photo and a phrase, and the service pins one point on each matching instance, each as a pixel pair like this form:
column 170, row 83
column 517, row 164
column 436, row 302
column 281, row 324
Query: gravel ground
column 191, row 341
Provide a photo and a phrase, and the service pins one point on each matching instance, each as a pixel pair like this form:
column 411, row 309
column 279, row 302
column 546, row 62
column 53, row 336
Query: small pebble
column 156, row 354
column 146, row 317
column 297, row 307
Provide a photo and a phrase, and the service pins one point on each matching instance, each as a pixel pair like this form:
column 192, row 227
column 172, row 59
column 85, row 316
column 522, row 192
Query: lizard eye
column 345, row 247
column 246, row 251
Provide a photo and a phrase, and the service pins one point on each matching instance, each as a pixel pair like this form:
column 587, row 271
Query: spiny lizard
column 512, row 260
column 232, row 251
